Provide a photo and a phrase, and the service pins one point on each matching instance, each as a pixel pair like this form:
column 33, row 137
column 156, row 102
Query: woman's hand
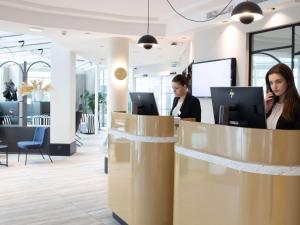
column 269, row 101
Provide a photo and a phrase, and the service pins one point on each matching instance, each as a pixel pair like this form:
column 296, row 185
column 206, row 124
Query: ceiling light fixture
column 22, row 42
column 41, row 50
column 247, row 12
column 147, row 41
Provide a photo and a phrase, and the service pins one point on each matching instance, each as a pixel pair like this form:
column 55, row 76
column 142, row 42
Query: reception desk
column 236, row 176
column 141, row 169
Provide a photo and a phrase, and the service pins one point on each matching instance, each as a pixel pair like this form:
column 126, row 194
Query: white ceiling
column 88, row 24
column 115, row 9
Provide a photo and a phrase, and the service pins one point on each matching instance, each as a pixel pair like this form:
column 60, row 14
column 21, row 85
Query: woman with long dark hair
column 282, row 102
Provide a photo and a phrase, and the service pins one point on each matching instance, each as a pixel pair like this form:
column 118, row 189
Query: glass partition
column 297, row 56
column 267, row 48
column 161, row 86
column 24, row 60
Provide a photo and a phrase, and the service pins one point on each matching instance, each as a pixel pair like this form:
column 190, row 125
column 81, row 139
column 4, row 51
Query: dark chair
column 38, row 142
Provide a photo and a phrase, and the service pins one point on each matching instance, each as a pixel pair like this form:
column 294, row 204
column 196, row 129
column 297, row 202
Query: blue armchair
column 38, row 142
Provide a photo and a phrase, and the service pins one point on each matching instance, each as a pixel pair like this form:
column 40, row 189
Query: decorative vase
column 38, row 95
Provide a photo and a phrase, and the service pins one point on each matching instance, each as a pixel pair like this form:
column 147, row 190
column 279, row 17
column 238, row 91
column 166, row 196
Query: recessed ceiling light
column 225, row 21
column 101, row 46
column 36, row 29
column 87, row 33
column 183, row 38
column 102, row 59
column 64, row 32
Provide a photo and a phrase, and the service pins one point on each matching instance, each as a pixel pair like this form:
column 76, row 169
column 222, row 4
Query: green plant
column 88, row 101
column 91, row 101
column 84, row 98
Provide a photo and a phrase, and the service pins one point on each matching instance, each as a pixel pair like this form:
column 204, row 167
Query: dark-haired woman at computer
column 282, row 102
column 184, row 104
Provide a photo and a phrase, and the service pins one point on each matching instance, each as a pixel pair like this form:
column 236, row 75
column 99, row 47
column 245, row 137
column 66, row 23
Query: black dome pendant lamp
column 147, row 41
column 246, row 12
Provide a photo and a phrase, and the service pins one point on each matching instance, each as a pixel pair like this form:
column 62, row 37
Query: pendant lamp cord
column 148, row 19
column 193, row 20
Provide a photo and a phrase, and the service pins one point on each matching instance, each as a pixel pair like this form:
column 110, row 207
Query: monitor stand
column 224, row 114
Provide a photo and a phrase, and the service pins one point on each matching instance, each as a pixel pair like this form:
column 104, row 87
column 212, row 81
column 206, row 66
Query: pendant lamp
column 247, row 12
column 147, row 41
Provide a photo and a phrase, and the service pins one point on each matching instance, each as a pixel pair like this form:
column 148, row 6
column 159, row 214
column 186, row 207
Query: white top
column 176, row 110
column 273, row 118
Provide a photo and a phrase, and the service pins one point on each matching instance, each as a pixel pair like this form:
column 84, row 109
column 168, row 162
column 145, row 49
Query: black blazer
column 284, row 124
column 190, row 107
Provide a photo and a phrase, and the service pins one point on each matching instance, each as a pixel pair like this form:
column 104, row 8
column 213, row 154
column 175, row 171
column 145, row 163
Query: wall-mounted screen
column 214, row 73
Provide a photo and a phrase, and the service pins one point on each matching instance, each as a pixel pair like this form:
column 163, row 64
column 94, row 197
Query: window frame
column 252, row 52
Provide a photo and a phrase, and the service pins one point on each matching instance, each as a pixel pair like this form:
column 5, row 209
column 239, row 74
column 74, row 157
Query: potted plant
column 91, row 101
column 87, row 106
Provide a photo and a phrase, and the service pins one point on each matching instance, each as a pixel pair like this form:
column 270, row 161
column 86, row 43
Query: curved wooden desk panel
column 141, row 173
column 276, row 147
column 154, row 126
column 211, row 193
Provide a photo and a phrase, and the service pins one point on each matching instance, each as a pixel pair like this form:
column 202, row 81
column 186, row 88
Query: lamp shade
column 247, row 12
column 147, row 41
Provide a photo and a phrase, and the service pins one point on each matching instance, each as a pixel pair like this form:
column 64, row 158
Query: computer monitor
column 239, row 106
column 143, row 103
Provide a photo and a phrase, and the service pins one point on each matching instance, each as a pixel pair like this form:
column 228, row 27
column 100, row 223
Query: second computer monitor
column 239, row 106
column 143, row 103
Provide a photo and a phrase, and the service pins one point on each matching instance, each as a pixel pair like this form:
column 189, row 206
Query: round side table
column 4, row 148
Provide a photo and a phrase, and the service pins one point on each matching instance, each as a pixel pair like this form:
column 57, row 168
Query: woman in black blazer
column 184, row 104
column 282, row 102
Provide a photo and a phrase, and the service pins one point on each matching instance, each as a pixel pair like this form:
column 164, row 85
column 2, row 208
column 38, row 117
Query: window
column 161, row 86
column 103, row 90
column 280, row 45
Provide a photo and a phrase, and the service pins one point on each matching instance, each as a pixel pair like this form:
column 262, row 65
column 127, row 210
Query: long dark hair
column 291, row 95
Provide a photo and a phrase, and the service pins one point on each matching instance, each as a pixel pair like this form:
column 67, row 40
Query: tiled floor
column 72, row 190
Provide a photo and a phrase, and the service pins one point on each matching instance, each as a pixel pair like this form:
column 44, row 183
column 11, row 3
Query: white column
column 62, row 104
column 117, row 96
column 96, row 110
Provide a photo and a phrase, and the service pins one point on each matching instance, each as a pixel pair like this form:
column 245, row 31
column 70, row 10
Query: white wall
column 117, row 90
column 231, row 40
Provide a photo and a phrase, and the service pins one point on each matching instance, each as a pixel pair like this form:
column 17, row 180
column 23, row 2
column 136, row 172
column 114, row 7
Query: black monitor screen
column 245, row 106
column 143, row 103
